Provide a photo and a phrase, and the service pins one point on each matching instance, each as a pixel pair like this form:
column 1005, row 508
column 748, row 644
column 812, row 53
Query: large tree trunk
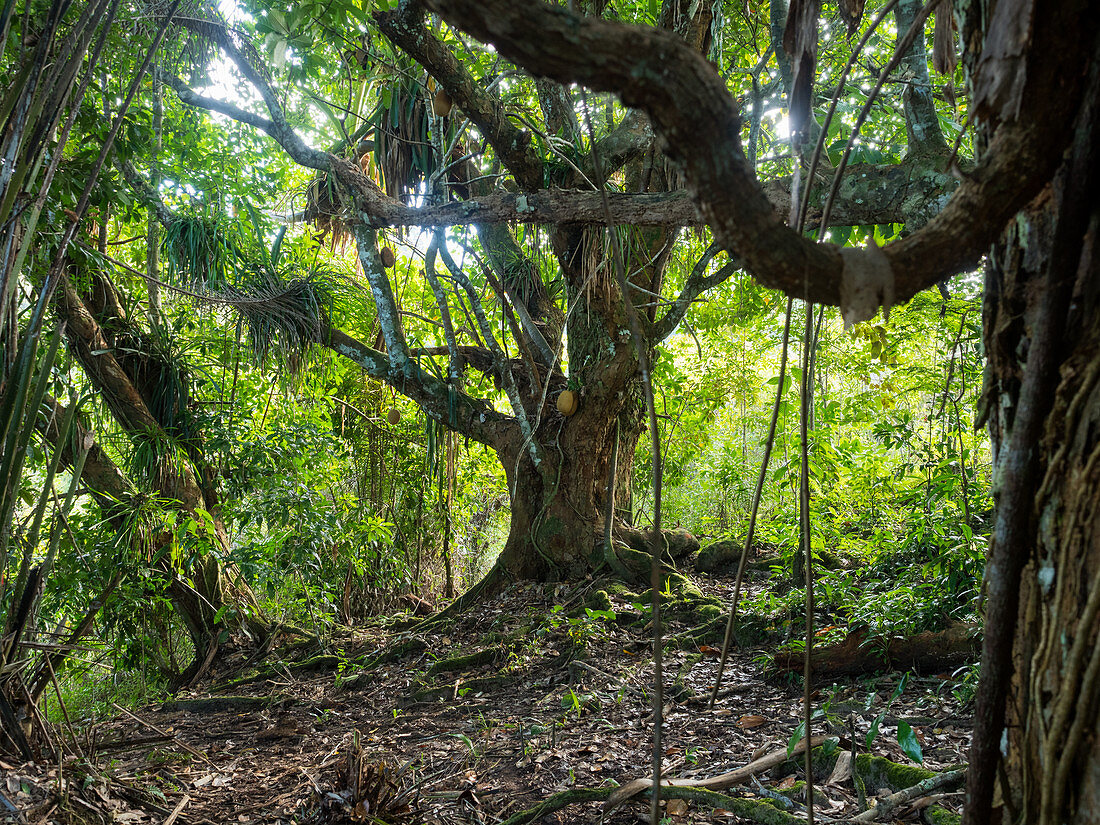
column 559, row 504
column 1042, row 331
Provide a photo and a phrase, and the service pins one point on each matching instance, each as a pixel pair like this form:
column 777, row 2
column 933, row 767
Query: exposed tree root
column 556, row 803
column 367, row 665
column 758, row 810
column 762, row 811
column 494, row 580
column 936, row 782
column 485, row 656
column 451, row 691
column 706, row 792
column 629, row 560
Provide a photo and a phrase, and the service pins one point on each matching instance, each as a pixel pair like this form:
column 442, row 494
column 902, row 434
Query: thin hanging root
column 757, row 495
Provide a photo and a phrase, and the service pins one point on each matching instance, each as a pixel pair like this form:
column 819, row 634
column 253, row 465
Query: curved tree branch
column 192, row 98
column 280, row 130
column 690, row 107
column 697, row 283
column 462, row 413
column 631, row 138
column 101, row 475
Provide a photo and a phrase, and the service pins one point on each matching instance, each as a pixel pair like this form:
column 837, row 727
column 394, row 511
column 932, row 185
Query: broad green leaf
column 279, row 57
column 907, row 740
column 872, row 732
column 899, row 689
column 796, row 737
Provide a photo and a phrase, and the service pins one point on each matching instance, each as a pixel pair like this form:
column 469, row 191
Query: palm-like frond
column 198, row 251
column 284, row 319
column 284, row 305
column 285, row 314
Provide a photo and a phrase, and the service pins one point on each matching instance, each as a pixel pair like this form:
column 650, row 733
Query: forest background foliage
column 336, row 496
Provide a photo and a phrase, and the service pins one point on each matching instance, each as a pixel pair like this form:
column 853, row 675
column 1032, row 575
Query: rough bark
column 557, row 508
column 1042, row 331
column 653, row 206
column 688, row 106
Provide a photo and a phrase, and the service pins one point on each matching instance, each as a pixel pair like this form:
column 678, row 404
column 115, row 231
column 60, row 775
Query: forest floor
column 551, row 698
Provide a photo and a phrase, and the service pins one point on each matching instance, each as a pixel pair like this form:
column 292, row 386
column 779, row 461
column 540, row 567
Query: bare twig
column 155, row 729
column 176, row 811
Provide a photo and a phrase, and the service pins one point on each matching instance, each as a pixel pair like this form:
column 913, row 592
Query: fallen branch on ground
column 763, row 812
column 940, row 782
column 858, row 654
column 714, row 783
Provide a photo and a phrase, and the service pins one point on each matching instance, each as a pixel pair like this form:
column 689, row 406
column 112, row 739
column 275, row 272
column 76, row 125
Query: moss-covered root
column 763, row 812
column 556, row 803
column 468, row 661
column 278, row 670
column 365, row 665
column 876, row 772
column 680, row 690
column 494, row 580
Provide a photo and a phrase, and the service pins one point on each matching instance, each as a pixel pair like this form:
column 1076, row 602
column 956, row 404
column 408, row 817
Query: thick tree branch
column 192, row 98
column 480, row 358
column 922, row 124
column 106, row 482
column 96, row 354
column 146, row 194
column 448, row 405
column 690, row 107
column 893, row 193
column 557, row 109
column 483, row 360
column 632, row 137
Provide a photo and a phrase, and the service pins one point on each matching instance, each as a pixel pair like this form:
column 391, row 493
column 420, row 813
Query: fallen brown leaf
column 677, row 807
